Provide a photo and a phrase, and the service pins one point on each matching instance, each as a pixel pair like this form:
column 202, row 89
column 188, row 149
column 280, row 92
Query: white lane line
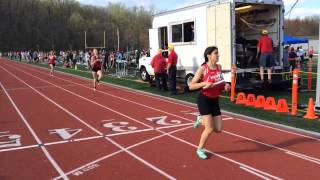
column 79, row 139
column 95, row 130
column 86, row 139
column 134, row 119
column 119, row 151
column 255, row 173
column 71, row 140
column 281, row 130
column 307, row 158
column 166, row 127
column 42, row 87
column 52, row 161
column 18, row 148
column 311, row 159
column 129, row 132
column 227, row 118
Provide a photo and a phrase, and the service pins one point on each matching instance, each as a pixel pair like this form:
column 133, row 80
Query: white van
column 234, row 26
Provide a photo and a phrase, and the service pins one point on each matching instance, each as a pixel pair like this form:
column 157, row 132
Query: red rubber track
column 245, row 149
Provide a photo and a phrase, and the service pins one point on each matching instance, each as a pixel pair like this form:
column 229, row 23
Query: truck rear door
column 219, row 32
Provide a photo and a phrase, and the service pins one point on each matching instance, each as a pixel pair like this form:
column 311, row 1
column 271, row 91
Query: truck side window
column 188, row 29
column 177, row 33
column 183, row 32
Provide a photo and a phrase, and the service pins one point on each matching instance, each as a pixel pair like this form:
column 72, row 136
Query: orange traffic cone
column 310, row 112
column 241, row 98
column 270, row 104
column 282, row 106
column 251, row 99
column 261, row 100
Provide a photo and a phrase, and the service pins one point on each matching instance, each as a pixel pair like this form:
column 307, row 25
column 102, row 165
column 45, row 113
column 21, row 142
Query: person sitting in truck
column 265, row 47
column 301, row 53
column 159, row 65
column 246, row 54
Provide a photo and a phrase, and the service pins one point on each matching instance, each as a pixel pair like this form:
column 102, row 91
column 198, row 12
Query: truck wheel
column 189, row 78
column 144, row 75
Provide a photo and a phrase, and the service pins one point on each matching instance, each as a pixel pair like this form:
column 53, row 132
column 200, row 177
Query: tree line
column 308, row 26
column 60, row 25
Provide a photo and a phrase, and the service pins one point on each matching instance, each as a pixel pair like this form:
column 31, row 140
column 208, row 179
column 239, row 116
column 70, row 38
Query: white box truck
column 234, row 26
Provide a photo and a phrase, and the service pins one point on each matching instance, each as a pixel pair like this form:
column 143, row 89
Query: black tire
column 144, row 75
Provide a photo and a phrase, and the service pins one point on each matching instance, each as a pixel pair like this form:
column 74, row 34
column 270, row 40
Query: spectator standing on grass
column 159, row 65
column 119, row 55
column 310, row 52
column 87, row 59
column 30, row 56
column 112, row 60
column 74, row 58
column 292, row 58
column 35, row 57
column 301, row 54
column 19, row 55
column 172, row 69
column 286, row 57
column 299, row 59
column 105, row 63
column 209, row 79
column 137, row 56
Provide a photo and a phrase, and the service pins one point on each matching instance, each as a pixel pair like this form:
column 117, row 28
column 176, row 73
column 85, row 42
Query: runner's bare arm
column 92, row 61
column 194, row 85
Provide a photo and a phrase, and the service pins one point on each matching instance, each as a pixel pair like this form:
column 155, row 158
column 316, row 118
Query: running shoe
column 201, row 154
column 196, row 124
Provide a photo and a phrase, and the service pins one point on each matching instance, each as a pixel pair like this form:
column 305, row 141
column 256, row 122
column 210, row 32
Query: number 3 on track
column 119, row 126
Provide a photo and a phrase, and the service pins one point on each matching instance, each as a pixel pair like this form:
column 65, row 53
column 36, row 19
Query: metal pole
column 104, row 39
column 317, row 106
column 85, row 40
column 118, row 38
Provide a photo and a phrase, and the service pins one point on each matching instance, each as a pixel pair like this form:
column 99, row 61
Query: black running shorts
column 207, row 105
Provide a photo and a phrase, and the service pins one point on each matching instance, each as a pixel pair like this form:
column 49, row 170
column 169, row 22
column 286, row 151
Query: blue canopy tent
column 294, row 40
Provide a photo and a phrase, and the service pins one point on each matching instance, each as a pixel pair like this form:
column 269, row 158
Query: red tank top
column 97, row 63
column 213, row 76
column 51, row 59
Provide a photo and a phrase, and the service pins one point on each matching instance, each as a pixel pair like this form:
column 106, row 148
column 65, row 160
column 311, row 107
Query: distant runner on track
column 209, row 79
column 52, row 62
column 96, row 68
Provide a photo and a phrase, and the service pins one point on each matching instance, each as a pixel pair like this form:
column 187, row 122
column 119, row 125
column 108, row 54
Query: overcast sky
column 302, row 9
